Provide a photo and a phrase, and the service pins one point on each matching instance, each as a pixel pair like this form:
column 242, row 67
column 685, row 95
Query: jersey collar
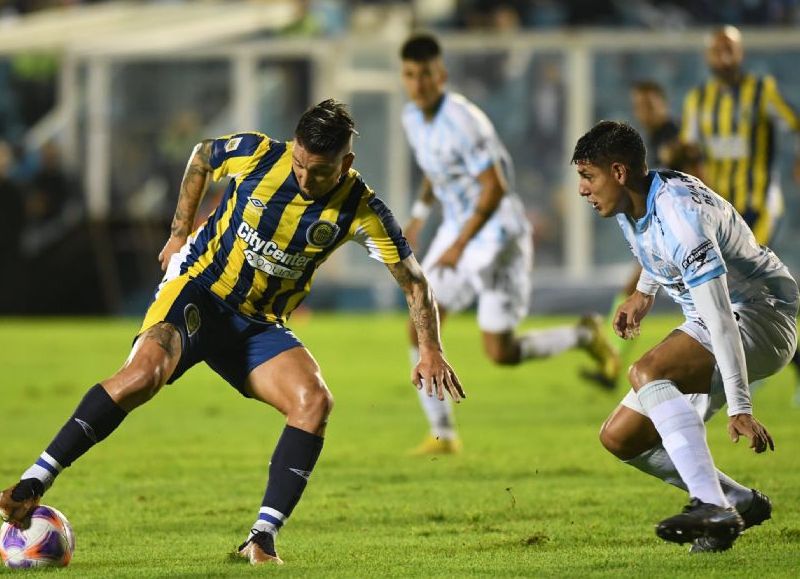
column 655, row 185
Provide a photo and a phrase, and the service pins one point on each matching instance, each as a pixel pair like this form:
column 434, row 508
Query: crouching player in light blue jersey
column 740, row 304
column 483, row 249
column 228, row 291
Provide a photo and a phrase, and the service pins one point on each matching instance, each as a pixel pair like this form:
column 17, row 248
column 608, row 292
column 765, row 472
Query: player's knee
column 640, row 373
column 612, row 441
column 315, row 404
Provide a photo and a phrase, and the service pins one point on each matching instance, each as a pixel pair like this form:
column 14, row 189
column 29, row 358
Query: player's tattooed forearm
column 424, row 316
column 403, row 275
column 421, row 304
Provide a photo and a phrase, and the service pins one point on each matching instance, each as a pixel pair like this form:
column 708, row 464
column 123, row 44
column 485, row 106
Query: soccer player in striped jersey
column 228, row 291
column 739, row 303
column 734, row 116
column 482, row 250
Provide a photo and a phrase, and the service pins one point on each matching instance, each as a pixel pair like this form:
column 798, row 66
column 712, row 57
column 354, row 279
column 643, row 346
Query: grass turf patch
column 533, row 494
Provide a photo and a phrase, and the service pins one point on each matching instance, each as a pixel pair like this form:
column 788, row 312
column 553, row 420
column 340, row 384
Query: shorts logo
column 322, row 233
column 191, row 313
column 232, row 144
column 698, row 255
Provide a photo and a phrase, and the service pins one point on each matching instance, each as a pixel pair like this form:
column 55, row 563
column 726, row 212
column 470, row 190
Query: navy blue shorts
column 211, row 332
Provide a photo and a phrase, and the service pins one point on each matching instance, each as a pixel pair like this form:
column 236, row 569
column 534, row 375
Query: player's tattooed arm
column 421, row 304
column 193, row 188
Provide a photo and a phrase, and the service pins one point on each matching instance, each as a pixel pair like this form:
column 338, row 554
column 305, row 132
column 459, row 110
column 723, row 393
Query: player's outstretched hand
column 629, row 314
column 435, row 375
column 171, row 247
column 746, row 425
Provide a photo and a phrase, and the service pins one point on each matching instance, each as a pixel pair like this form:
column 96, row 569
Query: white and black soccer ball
column 48, row 542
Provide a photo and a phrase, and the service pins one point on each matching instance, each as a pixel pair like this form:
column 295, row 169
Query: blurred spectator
column 50, row 188
column 33, row 80
column 182, row 132
column 306, row 22
column 12, row 218
column 651, row 109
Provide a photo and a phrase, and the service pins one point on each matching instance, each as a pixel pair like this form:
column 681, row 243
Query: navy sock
column 292, row 462
column 94, row 419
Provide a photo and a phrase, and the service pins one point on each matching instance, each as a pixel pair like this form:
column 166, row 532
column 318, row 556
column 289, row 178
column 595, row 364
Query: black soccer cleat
column 760, row 510
column 700, row 519
column 259, row 548
column 17, row 502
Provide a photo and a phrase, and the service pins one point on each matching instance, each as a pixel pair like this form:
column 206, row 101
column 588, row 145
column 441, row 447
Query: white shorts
column 769, row 336
column 497, row 274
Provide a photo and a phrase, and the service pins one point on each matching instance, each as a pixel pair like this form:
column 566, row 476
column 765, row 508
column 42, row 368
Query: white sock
column 439, row 412
column 268, row 520
column 46, row 469
column 656, row 462
column 683, row 435
column 552, row 341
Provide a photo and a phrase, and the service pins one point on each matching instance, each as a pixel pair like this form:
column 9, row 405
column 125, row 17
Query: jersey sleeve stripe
column 401, row 247
column 221, row 149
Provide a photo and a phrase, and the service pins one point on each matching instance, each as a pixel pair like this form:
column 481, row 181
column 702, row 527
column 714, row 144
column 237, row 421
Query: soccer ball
column 48, row 542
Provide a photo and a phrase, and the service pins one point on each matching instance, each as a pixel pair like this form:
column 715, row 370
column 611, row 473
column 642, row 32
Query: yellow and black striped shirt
column 259, row 250
column 735, row 125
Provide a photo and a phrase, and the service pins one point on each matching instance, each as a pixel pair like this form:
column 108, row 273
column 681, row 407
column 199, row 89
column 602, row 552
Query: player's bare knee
column 641, row 372
column 133, row 385
column 313, row 406
column 611, row 441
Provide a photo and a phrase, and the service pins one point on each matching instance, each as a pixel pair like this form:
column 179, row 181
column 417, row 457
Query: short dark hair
column 325, row 128
column 650, row 86
column 421, row 47
column 611, row 142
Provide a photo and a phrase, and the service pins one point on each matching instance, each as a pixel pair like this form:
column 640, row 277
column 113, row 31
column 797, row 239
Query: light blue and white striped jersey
column 691, row 235
column 452, row 149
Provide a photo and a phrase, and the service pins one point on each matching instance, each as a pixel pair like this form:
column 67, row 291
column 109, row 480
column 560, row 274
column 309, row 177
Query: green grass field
column 534, row 494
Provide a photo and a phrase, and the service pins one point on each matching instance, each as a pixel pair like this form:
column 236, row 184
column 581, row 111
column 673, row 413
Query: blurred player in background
column 482, row 250
column 651, row 109
column 740, row 304
column 228, row 291
column 734, row 117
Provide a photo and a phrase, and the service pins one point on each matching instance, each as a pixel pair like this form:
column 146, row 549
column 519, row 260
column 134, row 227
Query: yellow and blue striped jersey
column 259, row 250
column 735, row 125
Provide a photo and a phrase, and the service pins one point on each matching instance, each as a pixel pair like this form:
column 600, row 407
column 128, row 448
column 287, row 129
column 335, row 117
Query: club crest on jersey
column 191, row 314
column 322, row 233
column 233, row 144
